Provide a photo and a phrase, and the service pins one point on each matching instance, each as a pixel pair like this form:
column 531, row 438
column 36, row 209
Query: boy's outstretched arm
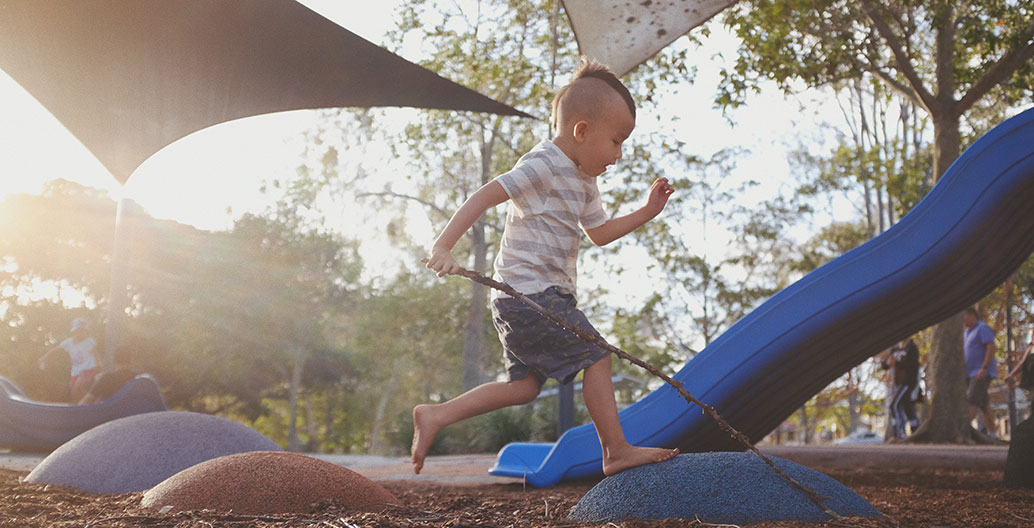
column 616, row 228
column 441, row 260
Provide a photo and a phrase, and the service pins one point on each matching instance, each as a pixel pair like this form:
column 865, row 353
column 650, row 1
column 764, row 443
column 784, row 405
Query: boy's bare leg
column 429, row 419
column 618, row 454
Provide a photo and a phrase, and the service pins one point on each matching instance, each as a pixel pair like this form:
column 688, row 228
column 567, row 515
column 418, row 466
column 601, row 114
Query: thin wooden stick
column 819, row 500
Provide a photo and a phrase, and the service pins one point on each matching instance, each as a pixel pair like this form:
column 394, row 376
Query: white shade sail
column 624, row 33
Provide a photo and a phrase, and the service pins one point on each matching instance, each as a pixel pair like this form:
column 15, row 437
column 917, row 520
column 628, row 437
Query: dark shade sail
column 128, row 77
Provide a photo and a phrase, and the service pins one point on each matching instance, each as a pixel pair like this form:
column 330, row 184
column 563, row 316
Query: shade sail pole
column 118, row 298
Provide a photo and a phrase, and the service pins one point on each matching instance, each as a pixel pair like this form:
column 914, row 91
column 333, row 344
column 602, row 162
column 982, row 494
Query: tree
column 304, row 278
column 882, row 163
column 981, row 67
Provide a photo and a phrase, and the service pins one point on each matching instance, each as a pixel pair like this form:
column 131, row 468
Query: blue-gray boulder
column 717, row 488
column 137, row 452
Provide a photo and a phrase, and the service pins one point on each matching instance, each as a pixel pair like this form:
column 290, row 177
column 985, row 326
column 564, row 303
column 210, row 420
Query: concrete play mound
column 718, row 488
column 263, row 483
column 135, row 453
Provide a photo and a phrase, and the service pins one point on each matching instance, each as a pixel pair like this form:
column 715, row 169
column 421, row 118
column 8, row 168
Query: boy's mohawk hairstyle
column 597, row 70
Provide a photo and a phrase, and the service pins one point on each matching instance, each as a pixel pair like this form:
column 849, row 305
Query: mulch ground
column 908, row 498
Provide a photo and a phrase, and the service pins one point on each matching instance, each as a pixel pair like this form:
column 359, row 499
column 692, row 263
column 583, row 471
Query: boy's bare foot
column 424, row 431
column 630, row 456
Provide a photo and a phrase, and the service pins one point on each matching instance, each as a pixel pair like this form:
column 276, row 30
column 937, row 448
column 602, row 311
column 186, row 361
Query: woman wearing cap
column 82, row 351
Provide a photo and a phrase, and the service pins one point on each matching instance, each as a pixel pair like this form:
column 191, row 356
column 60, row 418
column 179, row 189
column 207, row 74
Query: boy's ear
column 580, row 129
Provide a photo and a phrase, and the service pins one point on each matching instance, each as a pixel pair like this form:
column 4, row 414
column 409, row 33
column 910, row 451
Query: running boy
column 553, row 191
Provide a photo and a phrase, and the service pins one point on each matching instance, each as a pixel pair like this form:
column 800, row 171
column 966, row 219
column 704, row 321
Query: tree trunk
column 805, row 433
column 313, row 444
column 474, row 342
column 949, row 414
column 293, row 442
column 474, row 360
column 948, row 419
column 870, row 224
column 947, row 142
column 852, row 401
column 373, row 446
column 328, row 416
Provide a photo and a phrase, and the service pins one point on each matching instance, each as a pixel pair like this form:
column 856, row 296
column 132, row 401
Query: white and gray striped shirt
column 549, row 198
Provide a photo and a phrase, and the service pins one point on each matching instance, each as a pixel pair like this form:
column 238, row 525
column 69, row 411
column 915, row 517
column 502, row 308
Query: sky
column 212, row 176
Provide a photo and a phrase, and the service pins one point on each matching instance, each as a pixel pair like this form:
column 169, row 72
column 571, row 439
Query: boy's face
column 603, row 136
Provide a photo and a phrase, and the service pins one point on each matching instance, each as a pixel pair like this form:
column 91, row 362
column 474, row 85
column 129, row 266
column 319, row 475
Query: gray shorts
column 535, row 345
column 976, row 391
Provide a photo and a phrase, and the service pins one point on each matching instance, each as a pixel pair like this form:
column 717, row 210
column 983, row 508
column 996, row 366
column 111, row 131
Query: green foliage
column 824, row 42
column 831, row 242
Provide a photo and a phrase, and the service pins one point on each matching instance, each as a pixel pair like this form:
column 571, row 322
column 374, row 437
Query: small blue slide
column 972, row 231
column 28, row 425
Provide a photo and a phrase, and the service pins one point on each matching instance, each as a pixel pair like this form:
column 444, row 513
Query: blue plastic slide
column 973, row 229
column 29, row 425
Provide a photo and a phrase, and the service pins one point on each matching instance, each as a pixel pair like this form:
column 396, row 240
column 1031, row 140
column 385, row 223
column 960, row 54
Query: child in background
column 82, row 352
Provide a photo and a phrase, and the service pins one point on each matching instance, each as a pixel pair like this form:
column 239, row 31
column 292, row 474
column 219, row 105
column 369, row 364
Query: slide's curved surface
column 973, row 229
column 29, row 425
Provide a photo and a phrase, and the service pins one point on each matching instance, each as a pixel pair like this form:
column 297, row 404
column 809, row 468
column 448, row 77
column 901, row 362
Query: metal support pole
column 117, row 295
column 1011, row 396
column 565, row 408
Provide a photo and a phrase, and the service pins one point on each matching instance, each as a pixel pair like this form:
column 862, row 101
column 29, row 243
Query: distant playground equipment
column 28, row 425
column 973, row 229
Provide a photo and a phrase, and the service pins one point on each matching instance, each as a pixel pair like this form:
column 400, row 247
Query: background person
column 904, row 360
column 107, row 383
column 82, row 352
column 979, row 349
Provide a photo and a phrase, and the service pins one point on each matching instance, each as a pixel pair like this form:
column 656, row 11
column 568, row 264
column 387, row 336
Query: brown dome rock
column 266, row 482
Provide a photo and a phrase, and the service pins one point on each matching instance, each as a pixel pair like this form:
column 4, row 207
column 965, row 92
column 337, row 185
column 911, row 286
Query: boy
column 553, row 191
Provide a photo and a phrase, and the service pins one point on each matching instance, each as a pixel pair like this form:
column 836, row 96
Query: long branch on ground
column 819, row 500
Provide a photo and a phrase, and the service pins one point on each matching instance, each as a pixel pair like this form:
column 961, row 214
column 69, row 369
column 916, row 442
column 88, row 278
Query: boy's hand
column 660, row 191
column 441, row 262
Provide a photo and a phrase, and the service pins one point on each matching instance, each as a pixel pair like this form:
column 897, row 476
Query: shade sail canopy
column 624, row 33
column 128, row 77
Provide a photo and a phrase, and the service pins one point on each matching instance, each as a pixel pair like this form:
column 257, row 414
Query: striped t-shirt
column 549, row 198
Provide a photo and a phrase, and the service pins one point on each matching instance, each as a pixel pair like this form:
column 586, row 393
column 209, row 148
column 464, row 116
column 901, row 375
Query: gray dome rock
column 135, row 453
